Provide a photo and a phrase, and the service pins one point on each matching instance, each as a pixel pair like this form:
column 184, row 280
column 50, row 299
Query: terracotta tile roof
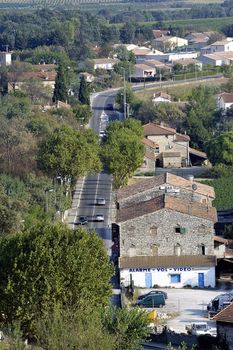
column 154, row 63
column 167, row 261
column 171, row 154
column 141, row 52
column 149, row 143
column 156, row 129
column 221, row 42
column 221, row 240
column 24, row 76
column 167, row 202
column 105, row 60
column 144, row 66
column 166, row 178
column 157, row 33
column 197, row 153
column 226, row 315
column 227, row 97
column 181, row 137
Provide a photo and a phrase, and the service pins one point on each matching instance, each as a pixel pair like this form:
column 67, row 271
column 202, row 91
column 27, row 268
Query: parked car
column 153, row 292
column 100, row 201
column 83, row 220
column 151, row 301
column 109, row 107
column 99, row 217
column 201, row 328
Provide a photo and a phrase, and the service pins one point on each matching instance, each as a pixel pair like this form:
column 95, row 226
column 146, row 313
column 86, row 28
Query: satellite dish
column 194, row 187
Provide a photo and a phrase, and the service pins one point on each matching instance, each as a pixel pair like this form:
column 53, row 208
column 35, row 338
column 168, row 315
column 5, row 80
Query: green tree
column 84, row 93
column 220, row 148
column 82, row 113
column 69, row 153
column 130, row 327
column 129, row 97
column 70, row 328
column 61, row 84
column 51, row 265
column 123, row 151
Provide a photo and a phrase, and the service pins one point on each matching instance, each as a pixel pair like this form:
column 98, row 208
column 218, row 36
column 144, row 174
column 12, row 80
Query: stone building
column 166, row 229
column 224, row 322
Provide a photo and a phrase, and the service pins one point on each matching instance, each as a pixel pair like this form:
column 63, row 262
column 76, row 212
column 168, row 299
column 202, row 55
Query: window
column 154, row 231
column 202, row 249
column 177, row 249
column 132, row 250
column 156, row 149
column 179, row 229
column 175, row 278
column 154, row 250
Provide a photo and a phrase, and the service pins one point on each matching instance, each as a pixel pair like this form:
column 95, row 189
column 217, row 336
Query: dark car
column 83, row 220
column 153, row 292
column 109, row 107
column 154, row 300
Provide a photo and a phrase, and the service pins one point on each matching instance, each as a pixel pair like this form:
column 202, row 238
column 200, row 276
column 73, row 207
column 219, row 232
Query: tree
column 69, row 153
column 82, row 113
column 130, row 327
column 129, row 97
column 220, row 149
column 51, row 265
column 70, row 328
column 61, row 84
column 84, row 93
column 123, row 151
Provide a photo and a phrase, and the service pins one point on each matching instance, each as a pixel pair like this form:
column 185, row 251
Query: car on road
column 83, row 220
column 109, row 107
column 100, row 201
column 201, row 328
column 153, row 292
column 99, row 217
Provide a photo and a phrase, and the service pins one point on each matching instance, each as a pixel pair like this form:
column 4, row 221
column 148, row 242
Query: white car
column 100, row 201
column 99, row 217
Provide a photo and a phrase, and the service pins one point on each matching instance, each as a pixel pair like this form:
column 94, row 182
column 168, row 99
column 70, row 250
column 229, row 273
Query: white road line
column 97, row 186
column 79, row 198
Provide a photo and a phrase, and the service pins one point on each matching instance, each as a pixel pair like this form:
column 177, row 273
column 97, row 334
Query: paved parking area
column 187, row 305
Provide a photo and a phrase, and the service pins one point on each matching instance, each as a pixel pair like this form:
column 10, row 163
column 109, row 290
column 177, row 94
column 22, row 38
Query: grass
column 180, row 90
column 223, row 192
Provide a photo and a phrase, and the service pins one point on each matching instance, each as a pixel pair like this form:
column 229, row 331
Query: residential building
column 217, row 58
column 199, row 40
column 5, row 58
column 144, row 53
column 169, row 43
column 104, row 63
column 172, row 57
column 225, row 45
column 224, row 100
column 166, row 228
column 149, row 68
column 161, row 97
column 223, row 247
column 158, row 33
column 16, row 80
column 185, row 62
column 87, row 76
column 224, row 323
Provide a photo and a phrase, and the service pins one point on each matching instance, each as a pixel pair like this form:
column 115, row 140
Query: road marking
column 96, row 190
column 78, row 202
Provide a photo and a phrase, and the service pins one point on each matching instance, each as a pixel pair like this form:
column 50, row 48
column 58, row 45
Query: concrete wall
column 141, row 235
column 171, row 162
column 162, row 276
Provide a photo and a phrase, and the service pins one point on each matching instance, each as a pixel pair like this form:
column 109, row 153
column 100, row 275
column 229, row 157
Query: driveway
column 187, row 305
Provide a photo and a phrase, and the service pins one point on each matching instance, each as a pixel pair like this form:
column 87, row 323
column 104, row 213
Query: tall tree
column 84, row 93
column 61, row 84
column 220, row 148
column 123, row 151
column 69, row 153
column 51, row 265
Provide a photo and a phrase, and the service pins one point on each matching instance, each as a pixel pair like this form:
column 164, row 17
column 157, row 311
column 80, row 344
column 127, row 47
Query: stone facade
column 225, row 335
column 159, row 234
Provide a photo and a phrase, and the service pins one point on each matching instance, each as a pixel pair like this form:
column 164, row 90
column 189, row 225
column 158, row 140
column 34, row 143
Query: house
column 225, row 45
column 199, row 40
column 217, row 58
column 104, row 63
column 15, row 81
column 185, row 62
column 166, row 226
column 223, row 247
column 161, row 97
column 151, row 150
column 5, row 58
column 142, row 70
column 158, row 33
column 172, row 57
column 142, row 53
column 225, row 100
column 224, row 323
column 87, row 76
column 169, row 43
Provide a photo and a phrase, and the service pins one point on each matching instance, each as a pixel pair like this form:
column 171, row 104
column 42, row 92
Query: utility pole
column 124, row 99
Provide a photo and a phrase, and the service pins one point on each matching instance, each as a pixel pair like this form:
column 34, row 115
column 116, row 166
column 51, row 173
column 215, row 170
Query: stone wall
column 225, row 335
column 155, row 234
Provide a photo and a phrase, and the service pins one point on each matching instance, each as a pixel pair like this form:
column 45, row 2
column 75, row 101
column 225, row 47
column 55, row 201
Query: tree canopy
column 123, row 150
column 50, row 265
column 69, row 153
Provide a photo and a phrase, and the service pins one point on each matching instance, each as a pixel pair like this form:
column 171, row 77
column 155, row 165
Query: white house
column 225, row 45
column 144, row 71
column 225, row 100
column 5, row 58
column 161, row 97
column 217, row 58
column 104, row 63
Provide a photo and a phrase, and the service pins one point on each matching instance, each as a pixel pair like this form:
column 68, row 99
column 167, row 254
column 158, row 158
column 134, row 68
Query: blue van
column 150, row 301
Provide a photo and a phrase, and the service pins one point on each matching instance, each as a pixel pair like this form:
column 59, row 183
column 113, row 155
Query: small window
column 202, row 249
column 179, row 229
column 175, row 278
column 154, row 231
